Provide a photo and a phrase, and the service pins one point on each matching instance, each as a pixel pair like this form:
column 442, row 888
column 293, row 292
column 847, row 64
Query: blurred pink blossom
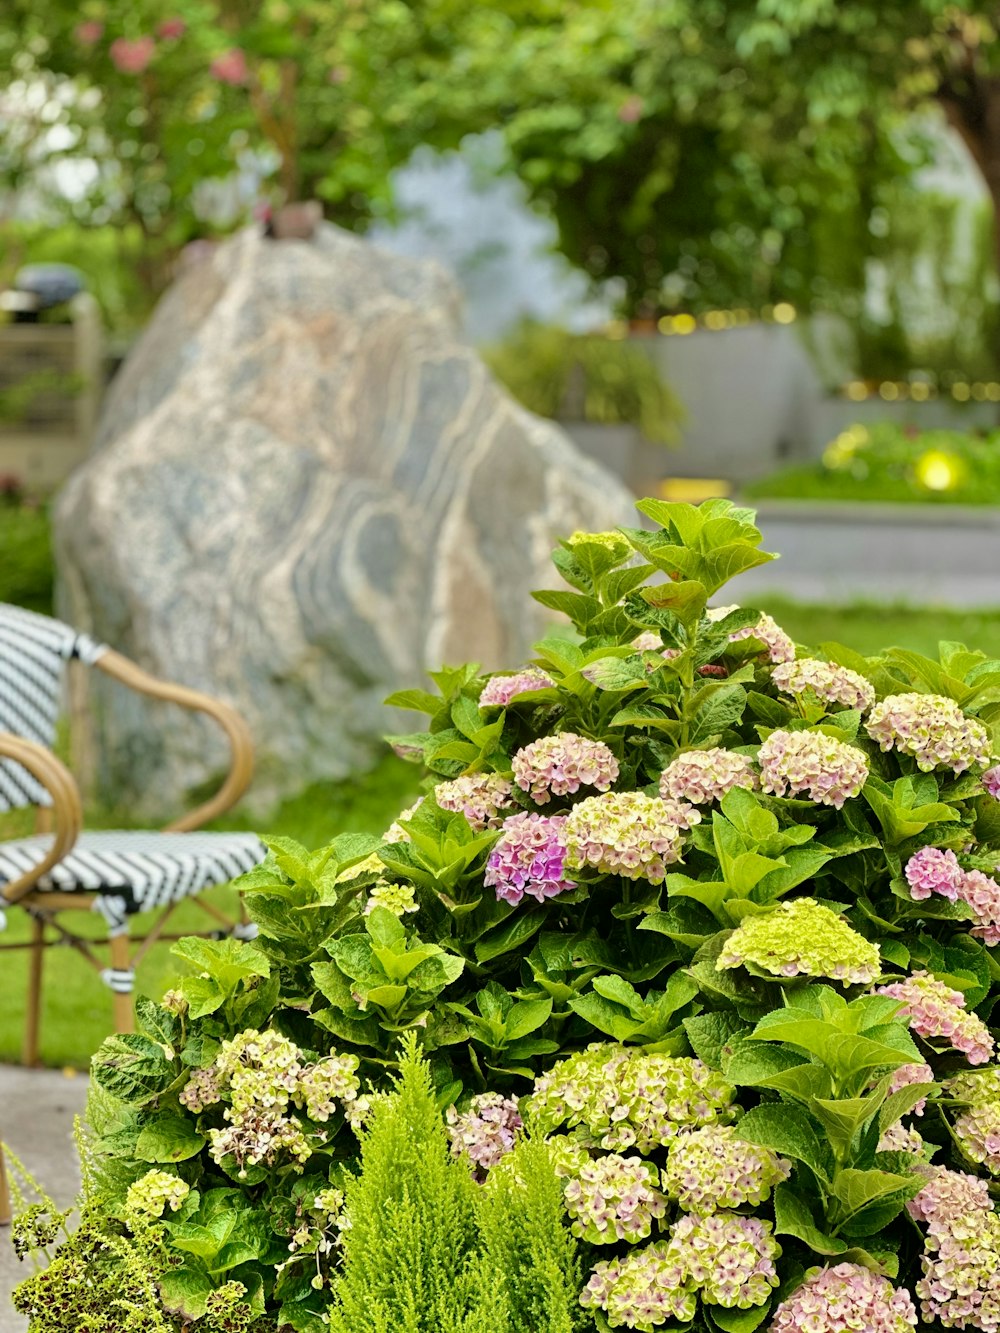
column 171, row 29
column 631, row 110
column 89, row 33
column 132, row 57
column 338, row 74
column 231, row 67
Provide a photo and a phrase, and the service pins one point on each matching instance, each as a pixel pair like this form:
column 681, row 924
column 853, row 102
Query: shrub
column 557, row 373
column 715, row 919
column 891, row 463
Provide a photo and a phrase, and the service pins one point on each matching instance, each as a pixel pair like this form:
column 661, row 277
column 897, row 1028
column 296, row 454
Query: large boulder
column 306, row 488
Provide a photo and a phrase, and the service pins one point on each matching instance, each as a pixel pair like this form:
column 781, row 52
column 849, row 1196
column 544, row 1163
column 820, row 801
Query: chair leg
column 29, row 1053
column 122, row 1005
column 5, row 1208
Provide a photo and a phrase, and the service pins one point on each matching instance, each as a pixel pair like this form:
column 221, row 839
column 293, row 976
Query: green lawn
column 77, row 1006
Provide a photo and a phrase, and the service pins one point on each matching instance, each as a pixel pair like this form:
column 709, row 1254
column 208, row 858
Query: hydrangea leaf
column 168, row 1138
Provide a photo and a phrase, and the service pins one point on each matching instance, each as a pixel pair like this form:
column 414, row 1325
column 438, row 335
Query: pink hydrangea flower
column 529, row 858
column 231, row 67
column 983, row 896
column 978, row 1133
column 500, row 690
column 935, row 1011
column 991, row 781
column 932, row 870
column 780, row 648
column 831, row 683
column 560, row 765
column 932, row 729
column 845, row 1297
column 906, row 1075
column 702, row 776
column 132, row 57
column 478, row 796
column 810, row 763
column 486, row 1131
column 901, row 1138
column 952, row 1203
column 645, row 1288
column 628, row 833
column 728, row 1257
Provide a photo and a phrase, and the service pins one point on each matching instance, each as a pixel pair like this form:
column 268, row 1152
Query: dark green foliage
column 26, row 571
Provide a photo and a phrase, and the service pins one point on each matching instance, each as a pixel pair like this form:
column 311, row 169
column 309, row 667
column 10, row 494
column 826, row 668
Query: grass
column 77, row 1007
column 25, row 557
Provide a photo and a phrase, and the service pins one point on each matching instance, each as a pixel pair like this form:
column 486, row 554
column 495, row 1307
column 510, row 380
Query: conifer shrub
column 695, row 932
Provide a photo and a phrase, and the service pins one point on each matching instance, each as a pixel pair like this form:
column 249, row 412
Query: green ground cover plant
column 895, row 464
column 711, row 920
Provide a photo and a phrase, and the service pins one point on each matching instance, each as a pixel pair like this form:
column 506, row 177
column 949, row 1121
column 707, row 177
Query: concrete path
column 37, row 1107
column 939, row 555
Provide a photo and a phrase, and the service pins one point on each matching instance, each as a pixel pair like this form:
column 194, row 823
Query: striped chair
column 63, row 869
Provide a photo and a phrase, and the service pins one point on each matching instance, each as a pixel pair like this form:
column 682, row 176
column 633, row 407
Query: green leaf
column 227, row 962
column 514, row 932
column 792, row 1217
column 713, row 1036
column 739, row 1321
column 185, row 1292
column 132, row 1068
column 525, row 1017
column 169, row 1138
column 790, row 1131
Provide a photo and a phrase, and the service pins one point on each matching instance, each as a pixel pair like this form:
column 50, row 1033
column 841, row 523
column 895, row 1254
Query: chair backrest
column 34, row 650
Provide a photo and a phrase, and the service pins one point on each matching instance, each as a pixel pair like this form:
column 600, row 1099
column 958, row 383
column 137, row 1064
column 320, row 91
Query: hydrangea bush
column 712, row 915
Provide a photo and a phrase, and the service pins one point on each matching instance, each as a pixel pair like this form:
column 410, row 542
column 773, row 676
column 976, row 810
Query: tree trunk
column 973, row 109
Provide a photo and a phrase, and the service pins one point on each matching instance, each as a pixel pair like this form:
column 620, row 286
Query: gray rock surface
column 305, row 489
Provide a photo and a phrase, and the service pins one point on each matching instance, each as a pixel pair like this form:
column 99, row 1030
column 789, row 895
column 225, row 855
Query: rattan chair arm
column 237, row 732
column 67, row 810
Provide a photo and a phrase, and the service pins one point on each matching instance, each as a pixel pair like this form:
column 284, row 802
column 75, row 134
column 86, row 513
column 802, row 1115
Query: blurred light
column 979, row 393
column 920, row 391
column 993, row 393
column 857, row 390
column 618, row 328
column 685, row 324
column 716, row 319
column 784, row 313
column 694, row 489
column 961, row 392
column 889, row 391
column 665, row 324
column 939, row 471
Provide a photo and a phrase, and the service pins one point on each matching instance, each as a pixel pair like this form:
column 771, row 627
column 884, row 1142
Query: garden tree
column 170, row 109
column 733, row 151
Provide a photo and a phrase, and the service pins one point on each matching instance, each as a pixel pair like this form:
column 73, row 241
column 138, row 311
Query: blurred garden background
column 733, row 247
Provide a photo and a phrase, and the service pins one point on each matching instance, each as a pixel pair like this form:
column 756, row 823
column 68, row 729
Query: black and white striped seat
column 128, row 871
column 136, row 871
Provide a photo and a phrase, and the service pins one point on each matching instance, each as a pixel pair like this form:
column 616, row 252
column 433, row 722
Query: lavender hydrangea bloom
column 983, row 895
column 810, row 763
column 529, row 858
column 906, row 1075
column 932, row 870
column 711, row 1168
column 703, row 776
column 614, row 1198
column 845, row 1297
column 961, row 1259
column 802, row 938
column 991, row 781
column 486, row 1131
column 646, row 1288
column 560, row 765
column 932, row 729
column 933, row 1010
column 729, row 1258
column 500, row 690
